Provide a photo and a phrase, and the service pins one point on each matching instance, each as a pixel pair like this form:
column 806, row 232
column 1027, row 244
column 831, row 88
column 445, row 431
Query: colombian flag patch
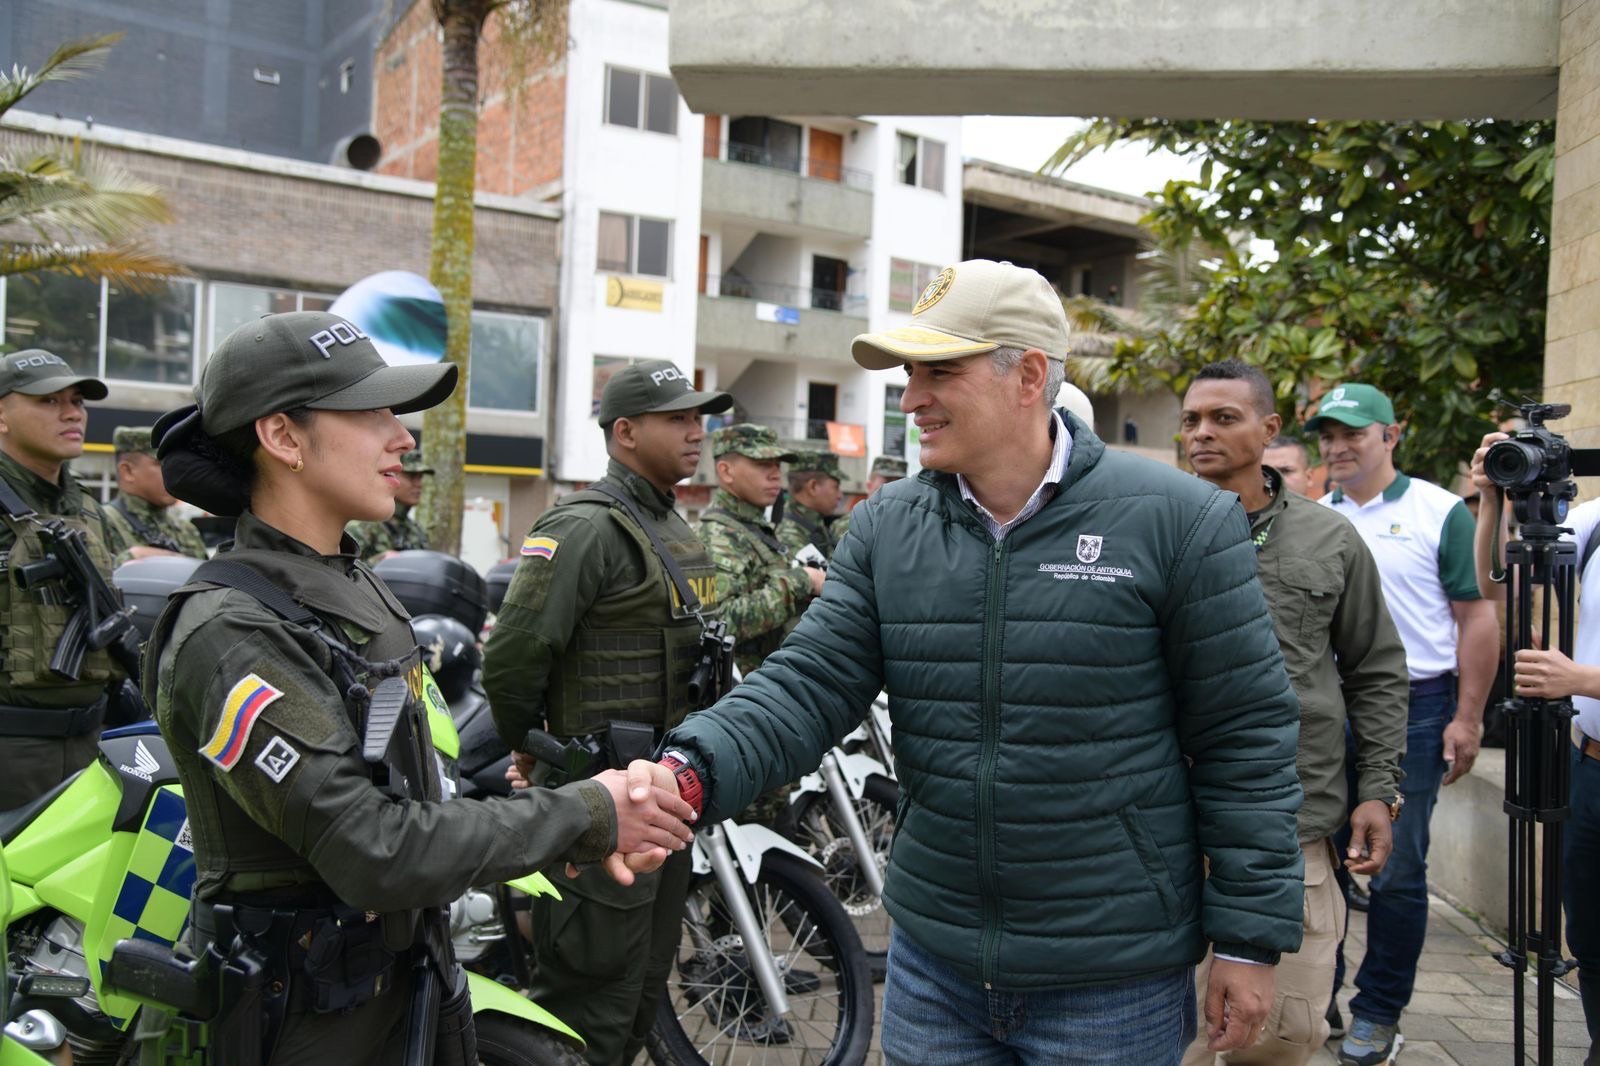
column 243, row 704
column 540, row 547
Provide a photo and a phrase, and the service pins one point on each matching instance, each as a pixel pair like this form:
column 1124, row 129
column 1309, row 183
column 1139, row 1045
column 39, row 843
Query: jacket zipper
column 987, row 757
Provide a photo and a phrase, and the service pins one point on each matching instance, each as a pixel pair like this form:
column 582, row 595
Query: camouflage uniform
column 400, row 533
column 801, row 525
column 136, row 521
column 885, row 468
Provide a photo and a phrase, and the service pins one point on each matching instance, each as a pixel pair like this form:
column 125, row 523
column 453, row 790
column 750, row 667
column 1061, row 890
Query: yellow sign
column 634, row 294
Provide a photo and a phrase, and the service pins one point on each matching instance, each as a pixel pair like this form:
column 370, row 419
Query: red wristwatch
column 689, row 789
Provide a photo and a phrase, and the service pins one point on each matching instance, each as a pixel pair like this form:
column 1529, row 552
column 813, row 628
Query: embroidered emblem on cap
column 277, row 759
column 1088, row 548
column 935, row 290
column 540, row 547
column 240, row 709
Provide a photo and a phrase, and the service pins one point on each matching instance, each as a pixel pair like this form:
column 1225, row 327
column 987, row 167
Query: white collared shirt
column 1059, row 456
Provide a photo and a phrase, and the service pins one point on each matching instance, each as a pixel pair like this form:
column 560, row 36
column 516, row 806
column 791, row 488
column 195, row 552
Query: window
column 641, row 101
column 106, row 330
column 766, row 142
column 507, row 359
column 894, row 421
column 604, row 367
column 347, row 76
column 921, row 162
column 906, row 282
column 629, row 244
column 233, row 305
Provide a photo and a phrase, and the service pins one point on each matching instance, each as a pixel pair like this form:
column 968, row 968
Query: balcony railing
column 804, row 165
column 816, row 299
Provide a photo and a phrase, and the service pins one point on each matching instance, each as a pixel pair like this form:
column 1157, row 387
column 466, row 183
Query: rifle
column 99, row 621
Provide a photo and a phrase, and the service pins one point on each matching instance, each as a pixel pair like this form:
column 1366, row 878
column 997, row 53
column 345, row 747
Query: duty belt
column 57, row 722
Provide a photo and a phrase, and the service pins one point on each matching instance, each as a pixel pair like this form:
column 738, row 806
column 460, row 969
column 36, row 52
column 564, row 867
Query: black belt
column 51, row 721
column 1434, row 686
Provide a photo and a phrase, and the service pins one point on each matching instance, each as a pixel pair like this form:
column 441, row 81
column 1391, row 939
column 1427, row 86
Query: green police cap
column 127, row 440
column 749, row 440
column 1355, row 406
column 888, row 467
column 816, row 462
column 309, row 359
column 411, row 463
column 655, row 385
column 36, row 372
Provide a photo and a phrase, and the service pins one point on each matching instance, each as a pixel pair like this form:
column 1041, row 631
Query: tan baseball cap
column 972, row 308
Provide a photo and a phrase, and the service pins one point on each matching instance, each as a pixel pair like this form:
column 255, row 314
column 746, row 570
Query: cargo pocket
column 592, row 929
column 1151, row 859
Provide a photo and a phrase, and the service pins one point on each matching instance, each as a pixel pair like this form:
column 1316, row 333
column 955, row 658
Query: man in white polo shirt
column 1421, row 537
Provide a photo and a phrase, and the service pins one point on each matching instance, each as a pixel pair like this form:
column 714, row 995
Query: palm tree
column 529, row 31
column 81, row 213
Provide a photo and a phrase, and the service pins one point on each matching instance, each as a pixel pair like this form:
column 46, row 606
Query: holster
column 627, row 741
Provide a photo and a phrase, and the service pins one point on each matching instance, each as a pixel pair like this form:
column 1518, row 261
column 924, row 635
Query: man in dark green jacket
column 1087, row 698
column 1346, row 662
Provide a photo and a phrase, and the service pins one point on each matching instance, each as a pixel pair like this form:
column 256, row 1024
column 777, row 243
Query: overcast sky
column 1027, row 142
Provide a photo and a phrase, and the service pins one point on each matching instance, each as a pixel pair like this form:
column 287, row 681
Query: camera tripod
column 1538, row 764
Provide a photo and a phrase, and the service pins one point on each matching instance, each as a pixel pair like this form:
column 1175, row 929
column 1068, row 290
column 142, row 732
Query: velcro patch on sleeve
column 540, row 547
column 240, row 709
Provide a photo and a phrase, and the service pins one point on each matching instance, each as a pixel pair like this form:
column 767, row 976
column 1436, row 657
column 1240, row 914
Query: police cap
column 36, row 372
column 655, row 385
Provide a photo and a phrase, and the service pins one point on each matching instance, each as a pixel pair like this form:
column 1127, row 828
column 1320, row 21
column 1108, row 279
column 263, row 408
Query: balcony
column 777, row 320
column 786, row 195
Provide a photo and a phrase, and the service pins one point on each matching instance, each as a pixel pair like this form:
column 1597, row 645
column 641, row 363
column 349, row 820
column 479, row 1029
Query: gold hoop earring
column 299, row 465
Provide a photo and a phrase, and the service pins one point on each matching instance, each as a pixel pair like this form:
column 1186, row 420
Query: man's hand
column 1550, row 675
column 148, row 551
column 520, row 772
column 1371, row 838
column 817, row 578
column 1479, row 478
column 651, row 819
column 1461, row 739
column 1238, row 999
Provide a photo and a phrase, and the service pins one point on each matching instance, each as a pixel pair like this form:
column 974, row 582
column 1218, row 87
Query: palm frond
column 125, row 264
column 65, row 190
column 74, row 59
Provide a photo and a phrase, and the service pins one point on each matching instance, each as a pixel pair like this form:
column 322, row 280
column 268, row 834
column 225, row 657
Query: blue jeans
column 1580, row 888
column 1397, row 916
column 932, row 1016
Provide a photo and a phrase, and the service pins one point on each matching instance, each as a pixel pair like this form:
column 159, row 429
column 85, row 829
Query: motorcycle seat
column 14, row 821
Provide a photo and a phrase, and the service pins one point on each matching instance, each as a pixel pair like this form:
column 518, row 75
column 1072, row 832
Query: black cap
column 655, row 385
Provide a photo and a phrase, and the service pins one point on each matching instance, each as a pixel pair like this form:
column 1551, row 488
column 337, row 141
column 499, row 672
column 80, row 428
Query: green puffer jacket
column 1080, row 712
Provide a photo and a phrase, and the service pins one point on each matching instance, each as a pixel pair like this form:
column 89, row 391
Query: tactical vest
column 816, row 533
column 147, row 533
column 632, row 654
column 31, row 622
column 234, row 855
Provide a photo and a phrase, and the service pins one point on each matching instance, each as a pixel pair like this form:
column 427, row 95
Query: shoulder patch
column 540, row 547
column 240, row 709
column 277, row 759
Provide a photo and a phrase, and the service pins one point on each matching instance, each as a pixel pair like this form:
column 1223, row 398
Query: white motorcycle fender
column 749, row 844
column 855, row 767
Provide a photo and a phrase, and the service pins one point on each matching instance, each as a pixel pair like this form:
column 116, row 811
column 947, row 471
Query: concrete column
column 1572, row 338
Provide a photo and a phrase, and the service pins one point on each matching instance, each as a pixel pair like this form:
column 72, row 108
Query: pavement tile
column 1443, row 979
column 1427, row 1027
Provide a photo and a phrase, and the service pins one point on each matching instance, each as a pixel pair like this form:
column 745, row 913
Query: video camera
column 1534, row 466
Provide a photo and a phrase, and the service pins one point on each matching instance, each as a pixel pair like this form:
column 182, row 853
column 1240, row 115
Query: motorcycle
column 106, row 857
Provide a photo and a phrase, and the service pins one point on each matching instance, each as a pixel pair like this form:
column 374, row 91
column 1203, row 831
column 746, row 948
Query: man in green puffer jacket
column 1087, row 697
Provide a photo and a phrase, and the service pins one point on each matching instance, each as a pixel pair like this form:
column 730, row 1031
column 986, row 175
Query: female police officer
column 263, row 706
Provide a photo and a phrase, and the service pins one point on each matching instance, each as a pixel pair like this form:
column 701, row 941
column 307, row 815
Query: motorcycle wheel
column 813, row 825
column 713, row 1011
column 508, row 1041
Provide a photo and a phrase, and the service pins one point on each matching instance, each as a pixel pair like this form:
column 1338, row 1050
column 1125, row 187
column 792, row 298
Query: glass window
column 933, row 165
column 150, row 335
column 604, row 367
column 507, row 354
column 894, row 421
column 907, row 279
column 663, row 116
column 921, row 162
column 234, row 305
column 655, row 248
column 622, row 97
column 616, row 243
column 907, row 162
column 57, row 312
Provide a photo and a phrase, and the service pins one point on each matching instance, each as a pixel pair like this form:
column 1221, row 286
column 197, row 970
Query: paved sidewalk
column 1460, row 1012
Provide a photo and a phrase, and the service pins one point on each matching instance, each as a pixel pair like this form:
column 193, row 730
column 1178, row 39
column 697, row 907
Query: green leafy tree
column 1412, row 256
column 528, row 32
column 64, row 208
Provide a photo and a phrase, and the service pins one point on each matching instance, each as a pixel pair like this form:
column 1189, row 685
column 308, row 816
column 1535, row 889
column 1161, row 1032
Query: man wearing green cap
column 815, row 485
column 402, row 532
column 49, row 726
column 1421, row 537
column 885, row 468
column 595, row 635
column 141, row 513
column 1087, row 698
column 761, row 592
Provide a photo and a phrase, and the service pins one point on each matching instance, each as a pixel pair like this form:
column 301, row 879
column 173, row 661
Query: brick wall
column 519, row 134
column 271, row 227
column 1572, row 340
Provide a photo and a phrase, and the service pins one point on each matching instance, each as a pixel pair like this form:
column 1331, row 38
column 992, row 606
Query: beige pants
column 1298, row 1024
